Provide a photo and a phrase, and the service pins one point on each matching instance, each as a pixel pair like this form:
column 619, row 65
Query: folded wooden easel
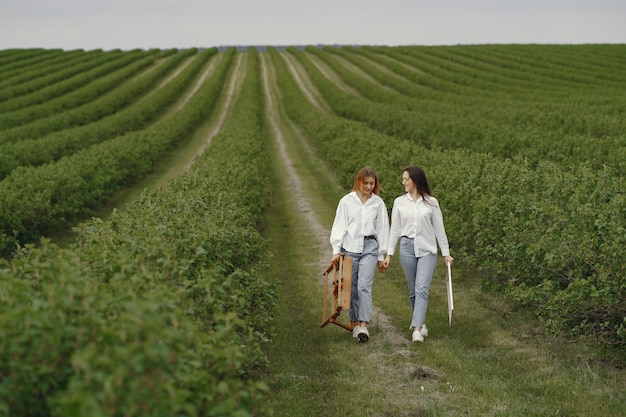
column 337, row 286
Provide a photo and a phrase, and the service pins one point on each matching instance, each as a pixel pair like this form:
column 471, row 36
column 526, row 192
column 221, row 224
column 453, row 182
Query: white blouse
column 421, row 221
column 354, row 220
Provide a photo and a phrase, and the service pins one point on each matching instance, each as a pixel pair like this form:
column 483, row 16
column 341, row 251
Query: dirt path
column 175, row 73
column 299, row 75
column 200, row 81
column 318, row 229
column 295, row 183
column 234, row 85
column 388, row 353
column 182, row 159
column 332, row 75
column 386, row 69
column 358, row 71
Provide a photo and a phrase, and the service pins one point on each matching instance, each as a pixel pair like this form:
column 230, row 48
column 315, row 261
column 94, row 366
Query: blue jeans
column 363, row 270
column 419, row 274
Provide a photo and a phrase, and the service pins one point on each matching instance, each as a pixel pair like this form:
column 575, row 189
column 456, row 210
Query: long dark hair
column 418, row 176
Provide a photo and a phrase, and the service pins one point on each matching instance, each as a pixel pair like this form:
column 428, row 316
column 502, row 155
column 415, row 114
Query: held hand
column 381, row 266
column 449, row 260
column 387, row 262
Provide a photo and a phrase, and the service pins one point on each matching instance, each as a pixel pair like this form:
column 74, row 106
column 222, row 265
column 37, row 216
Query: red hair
column 363, row 173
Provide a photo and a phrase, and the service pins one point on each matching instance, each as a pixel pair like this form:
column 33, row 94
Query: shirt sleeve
column 394, row 231
column 340, row 227
column 440, row 231
column 382, row 227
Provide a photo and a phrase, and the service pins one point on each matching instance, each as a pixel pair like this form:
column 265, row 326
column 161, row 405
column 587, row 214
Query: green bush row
column 543, row 232
column 42, row 76
column 582, row 128
column 51, row 147
column 42, row 68
column 160, row 310
column 94, row 101
column 586, row 66
column 14, row 60
column 37, row 200
column 502, row 75
column 81, row 106
column 51, row 82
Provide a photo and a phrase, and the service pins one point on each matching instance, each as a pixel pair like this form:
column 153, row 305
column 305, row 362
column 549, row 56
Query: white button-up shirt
column 354, row 220
column 421, row 221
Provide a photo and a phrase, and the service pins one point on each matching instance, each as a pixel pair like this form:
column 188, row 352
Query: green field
column 164, row 220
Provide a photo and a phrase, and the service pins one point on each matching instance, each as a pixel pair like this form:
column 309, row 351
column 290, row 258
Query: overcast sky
column 129, row 24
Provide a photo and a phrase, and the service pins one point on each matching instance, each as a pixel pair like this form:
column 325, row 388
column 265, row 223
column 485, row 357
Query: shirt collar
column 408, row 197
column 356, row 197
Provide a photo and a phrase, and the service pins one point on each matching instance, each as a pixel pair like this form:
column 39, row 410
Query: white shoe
column 363, row 334
column 423, row 330
column 355, row 331
column 417, row 336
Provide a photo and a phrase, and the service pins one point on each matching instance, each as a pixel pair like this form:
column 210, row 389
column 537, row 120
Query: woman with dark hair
column 361, row 231
column 416, row 221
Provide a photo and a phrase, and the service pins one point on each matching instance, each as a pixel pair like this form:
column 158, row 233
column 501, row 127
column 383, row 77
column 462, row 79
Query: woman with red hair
column 361, row 231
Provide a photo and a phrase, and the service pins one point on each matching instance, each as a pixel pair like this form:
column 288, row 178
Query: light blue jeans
column 363, row 270
column 419, row 274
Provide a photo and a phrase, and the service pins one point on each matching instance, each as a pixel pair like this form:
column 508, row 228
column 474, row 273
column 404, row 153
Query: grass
column 495, row 359
column 486, row 364
column 323, row 371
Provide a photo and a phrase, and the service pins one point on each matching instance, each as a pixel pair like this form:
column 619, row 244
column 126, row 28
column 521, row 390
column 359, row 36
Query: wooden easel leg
column 339, row 292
